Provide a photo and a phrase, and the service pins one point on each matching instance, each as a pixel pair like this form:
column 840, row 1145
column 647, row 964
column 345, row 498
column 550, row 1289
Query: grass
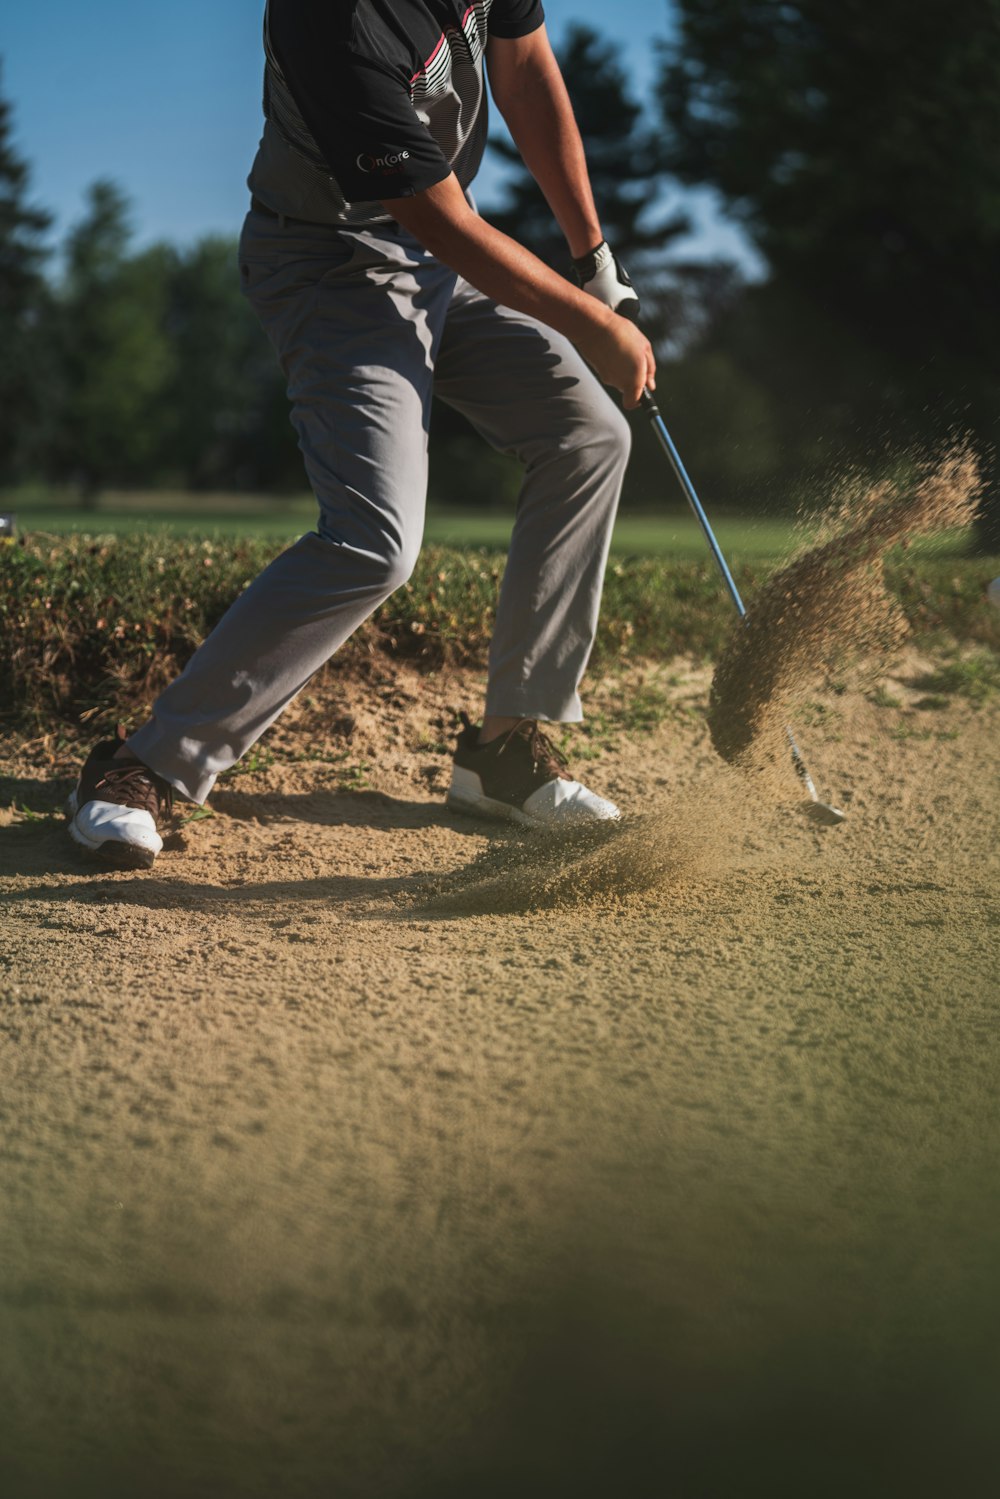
column 94, row 626
column 674, row 533
column 215, row 516
column 972, row 674
column 253, row 763
column 818, row 716
column 675, row 536
column 975, row 676
column 883, row 698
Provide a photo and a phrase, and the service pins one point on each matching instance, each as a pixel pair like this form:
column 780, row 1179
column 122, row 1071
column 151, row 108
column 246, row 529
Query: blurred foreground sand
column 319, row 1177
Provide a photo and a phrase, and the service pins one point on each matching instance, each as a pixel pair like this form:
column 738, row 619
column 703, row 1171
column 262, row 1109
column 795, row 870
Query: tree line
column 857, row 145
column 137, row 368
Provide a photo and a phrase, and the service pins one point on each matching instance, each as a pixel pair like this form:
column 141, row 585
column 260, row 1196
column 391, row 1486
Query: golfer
column 378, row 284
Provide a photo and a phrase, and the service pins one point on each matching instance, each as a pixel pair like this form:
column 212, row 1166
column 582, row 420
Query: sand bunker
column 828, row 607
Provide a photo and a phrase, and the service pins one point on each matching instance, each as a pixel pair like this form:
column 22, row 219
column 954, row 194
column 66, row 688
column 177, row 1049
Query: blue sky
column 165, row 99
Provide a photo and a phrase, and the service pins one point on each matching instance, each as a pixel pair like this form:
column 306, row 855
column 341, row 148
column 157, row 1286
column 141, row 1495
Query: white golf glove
column 602, row 274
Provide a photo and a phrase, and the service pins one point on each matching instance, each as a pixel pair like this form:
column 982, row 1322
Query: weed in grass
column 587, row 744
column 427, row 744
column 975, row 677
column 933, row 704
column 312, row 754
column 817, row 715
column 253, row 762
column 644, row 710
column 354, row 777
column 883, row 698
column 640, row 710
column 901, row 732
column 25, row 813
column 102, row 625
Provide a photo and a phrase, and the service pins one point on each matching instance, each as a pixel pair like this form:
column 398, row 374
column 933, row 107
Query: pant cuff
column 184, row 763
column 504, row 703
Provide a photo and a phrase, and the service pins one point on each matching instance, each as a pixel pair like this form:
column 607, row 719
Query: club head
column 823, row 813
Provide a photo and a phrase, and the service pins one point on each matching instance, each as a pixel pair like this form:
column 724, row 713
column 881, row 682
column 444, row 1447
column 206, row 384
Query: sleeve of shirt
column 512, row 18
column 359, row 114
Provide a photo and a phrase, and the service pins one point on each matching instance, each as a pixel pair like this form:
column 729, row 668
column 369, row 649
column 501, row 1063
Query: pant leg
column 529, row 392
column 355, row 319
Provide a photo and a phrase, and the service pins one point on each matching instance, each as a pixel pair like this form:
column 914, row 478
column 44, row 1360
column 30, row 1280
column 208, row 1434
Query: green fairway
column 675, row 534
column 181, row 514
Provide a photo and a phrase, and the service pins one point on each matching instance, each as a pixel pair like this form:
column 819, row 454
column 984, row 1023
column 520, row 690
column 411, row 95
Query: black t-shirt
column 372, row 99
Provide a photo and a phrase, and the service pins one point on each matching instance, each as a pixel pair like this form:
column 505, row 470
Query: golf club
column 818, row 810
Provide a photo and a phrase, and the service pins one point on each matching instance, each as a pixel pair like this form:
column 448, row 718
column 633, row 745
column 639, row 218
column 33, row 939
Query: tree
column 857, row 145
column 22, row 296
column 227, row 408
column 115, row 361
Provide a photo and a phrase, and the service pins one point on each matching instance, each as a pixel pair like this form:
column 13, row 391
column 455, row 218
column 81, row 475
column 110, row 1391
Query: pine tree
column 22, row 294
column 227, row 408
column 115, row 359
column 857, row 144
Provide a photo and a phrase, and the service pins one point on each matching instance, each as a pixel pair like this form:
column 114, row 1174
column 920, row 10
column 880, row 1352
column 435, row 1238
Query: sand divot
column 827, row 608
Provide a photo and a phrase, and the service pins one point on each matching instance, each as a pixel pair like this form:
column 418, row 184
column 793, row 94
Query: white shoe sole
column 485, row 806
column 579, row 808
column 118, row 852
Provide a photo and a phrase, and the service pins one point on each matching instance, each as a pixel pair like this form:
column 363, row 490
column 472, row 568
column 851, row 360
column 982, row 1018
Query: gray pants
column 366, row 323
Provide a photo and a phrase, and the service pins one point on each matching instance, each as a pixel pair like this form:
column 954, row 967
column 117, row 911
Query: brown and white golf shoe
column 117, row 806
column 520, row 777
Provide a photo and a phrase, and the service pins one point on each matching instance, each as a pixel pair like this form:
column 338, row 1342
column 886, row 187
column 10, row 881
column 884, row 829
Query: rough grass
column 975, row 677
column 102, row 624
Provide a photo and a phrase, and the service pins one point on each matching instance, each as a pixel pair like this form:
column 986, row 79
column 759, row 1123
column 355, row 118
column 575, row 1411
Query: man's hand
column 602, row 275
column 622, row 356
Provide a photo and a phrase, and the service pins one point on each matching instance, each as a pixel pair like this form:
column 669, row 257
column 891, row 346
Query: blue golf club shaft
column 667, row 443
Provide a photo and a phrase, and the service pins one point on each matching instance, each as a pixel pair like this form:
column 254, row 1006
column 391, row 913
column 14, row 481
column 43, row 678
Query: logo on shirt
column 388, row 163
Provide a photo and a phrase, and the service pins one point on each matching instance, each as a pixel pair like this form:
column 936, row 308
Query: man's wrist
column 587, row 266
column 590, row 319
column 584, row 243
column 602, row 275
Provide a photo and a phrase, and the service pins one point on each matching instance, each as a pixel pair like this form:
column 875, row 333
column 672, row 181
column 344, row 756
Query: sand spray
column 827, row 608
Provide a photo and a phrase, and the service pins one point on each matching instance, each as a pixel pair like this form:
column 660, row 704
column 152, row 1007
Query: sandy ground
column 321, row 1176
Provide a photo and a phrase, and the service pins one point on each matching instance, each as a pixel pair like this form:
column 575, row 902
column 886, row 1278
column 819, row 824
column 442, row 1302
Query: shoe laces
column 133, row 784
column 544, row 754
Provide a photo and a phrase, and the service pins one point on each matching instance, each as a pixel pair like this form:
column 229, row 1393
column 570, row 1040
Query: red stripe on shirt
column 440, row 44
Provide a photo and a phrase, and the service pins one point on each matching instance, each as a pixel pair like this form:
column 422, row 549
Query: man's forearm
column 530, row 93
column 497, row 265
column 441, row 219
